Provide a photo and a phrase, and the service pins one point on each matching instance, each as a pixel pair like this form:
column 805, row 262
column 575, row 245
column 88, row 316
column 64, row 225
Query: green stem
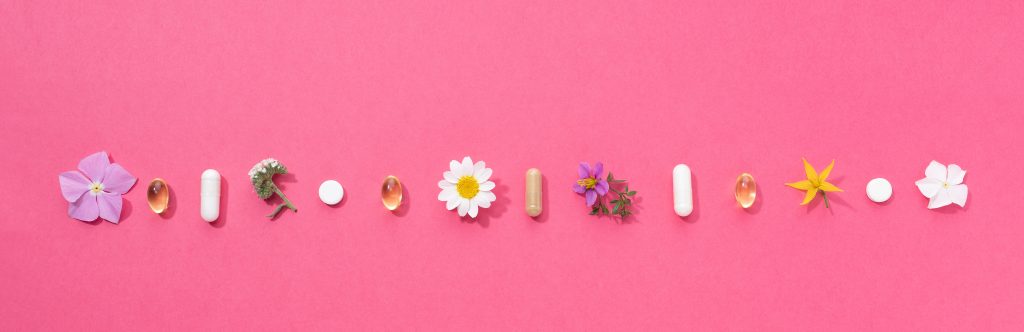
column 287, row 203
column 826, row 199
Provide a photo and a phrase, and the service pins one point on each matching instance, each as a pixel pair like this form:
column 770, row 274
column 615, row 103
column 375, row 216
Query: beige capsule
column 534, row 192
column 391, row 193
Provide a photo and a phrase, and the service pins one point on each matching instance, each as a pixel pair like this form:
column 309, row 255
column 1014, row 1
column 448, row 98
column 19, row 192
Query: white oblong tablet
column 682, row 190
column 331, row 192
column 879, row 190
column 209, row 195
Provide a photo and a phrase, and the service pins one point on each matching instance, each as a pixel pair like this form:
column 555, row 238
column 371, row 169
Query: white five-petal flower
column 467, row 187
column 943, row 185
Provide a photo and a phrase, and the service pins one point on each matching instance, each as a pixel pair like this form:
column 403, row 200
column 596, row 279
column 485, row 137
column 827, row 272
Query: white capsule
column 682, row 190
column 209, row 195
column 331, row 192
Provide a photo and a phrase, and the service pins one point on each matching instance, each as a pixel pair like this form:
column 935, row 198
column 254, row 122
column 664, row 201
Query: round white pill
column 331, row 192
column 879, row 190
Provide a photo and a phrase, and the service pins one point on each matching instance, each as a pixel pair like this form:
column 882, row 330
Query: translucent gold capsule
column 746, row 190
column 533, row 192
column 158, row 195
column 391, row 193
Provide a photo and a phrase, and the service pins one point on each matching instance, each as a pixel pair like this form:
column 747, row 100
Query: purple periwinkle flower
column 95, row 189
column 591, row 184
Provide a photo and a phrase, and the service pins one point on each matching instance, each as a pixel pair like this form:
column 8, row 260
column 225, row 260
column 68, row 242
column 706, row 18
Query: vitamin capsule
column 533, row 192
column 209, row 195
column 746, row 190
column 158, row 195
column 682, row 190
column 391, row 193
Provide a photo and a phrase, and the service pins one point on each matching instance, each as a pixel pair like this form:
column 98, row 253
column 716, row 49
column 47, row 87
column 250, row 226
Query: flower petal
column 447, row 194
column 463, row 207
column 955, row 175
column 445, row 184
column 117, row 180
column 484, row 175
column 929, row 187
column 467, row 166
column 824, row 174
column 591, row 197
column 802, row 185
column 478, row 167
column 85, row 209
column 958, row 194
column 95, row 165
column 596, row 172
column 811, row 174
column 110, row 206
column 577, row 188
column 456, row 168
column 825, row 186
column 73, row 185
column 451, row 177
column 473, row 209
column 453, row 202
column 809, row 196
column 601, row 187
column 935, row 171
column 487, row 186
column 583, row 170
column 484, row 199
column 941, row 199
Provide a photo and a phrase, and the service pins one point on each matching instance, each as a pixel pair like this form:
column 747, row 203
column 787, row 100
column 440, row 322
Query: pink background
column 357, row 91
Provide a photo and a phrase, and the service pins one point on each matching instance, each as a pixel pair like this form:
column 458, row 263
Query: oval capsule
column 534, row 190
column 209, row 195
column 682, row 190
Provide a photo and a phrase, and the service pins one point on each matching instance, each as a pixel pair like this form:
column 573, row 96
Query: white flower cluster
column 262, row 166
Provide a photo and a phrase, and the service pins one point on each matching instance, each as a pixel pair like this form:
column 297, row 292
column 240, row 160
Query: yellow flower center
column 96, row 187
column 467, row 187
column 587, row 183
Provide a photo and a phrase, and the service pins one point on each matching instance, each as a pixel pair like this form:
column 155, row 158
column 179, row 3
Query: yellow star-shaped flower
column 815, row 182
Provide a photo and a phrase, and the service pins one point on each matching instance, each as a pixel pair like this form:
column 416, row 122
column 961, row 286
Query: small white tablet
column 331, row 192
column 879, row 190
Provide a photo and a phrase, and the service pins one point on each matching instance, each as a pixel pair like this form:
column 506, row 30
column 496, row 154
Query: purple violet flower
column 97, row 192
column 591, row 184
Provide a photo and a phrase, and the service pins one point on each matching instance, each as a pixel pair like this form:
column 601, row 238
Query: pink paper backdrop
column 356, row 91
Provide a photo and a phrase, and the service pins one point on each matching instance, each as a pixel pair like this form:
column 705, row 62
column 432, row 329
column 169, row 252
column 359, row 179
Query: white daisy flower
column 943, row 185
column 467, row 187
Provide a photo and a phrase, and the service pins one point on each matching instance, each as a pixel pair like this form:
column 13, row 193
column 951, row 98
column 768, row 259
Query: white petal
column 958, row 194
column 452, row 203
column 929, row 187
column 487, row 186
column 451, row 177
column 935, row 171
column 467, row 166
column 484, row 175
column 463, row 207
column 940, row 200
column 473, row 210
column 486, row 196
column 445, row 184
column 955, row 175
column 447, row 194
column 481, row 201
column 479, row 166
column 456, row 168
